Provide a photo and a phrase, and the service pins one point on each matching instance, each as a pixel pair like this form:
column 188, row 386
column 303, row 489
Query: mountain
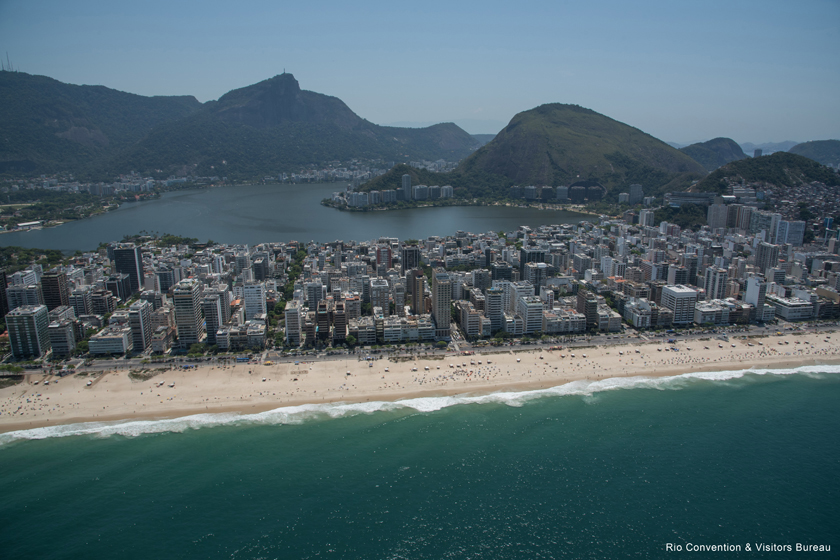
column 50, row 126
column 781, row 169
column 483, row 138
column 826, row 152
column 768, row 147
column 714, row 153
column 265, row 128
column 560, row 144
column 274, row 126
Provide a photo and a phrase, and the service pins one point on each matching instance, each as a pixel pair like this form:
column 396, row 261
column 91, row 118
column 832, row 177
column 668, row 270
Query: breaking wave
column 302, row 413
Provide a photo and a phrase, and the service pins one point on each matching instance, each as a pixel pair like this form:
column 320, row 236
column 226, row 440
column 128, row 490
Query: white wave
column 302, row 413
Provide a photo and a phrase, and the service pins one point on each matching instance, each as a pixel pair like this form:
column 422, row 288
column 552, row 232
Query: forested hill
column 262, row 129
column 781, row 169
column 50, row 126
column 714, row 153
column 560, row 144
column 826, row 152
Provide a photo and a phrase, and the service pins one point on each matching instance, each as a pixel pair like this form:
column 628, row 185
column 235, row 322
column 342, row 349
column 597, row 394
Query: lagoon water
column 607, row 470
column 259, row 213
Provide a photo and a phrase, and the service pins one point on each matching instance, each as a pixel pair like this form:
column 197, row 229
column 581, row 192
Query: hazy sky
column 683, row 71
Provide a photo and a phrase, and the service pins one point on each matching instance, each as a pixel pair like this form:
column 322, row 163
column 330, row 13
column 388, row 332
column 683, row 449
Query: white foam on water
column 302, row 413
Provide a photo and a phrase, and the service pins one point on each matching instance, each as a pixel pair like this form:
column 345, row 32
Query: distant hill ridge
column 714, row 153
column 826, row 152
column 260, row 129
column 768, row 147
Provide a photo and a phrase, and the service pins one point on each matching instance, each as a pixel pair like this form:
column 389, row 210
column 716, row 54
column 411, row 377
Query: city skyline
column 754, row 72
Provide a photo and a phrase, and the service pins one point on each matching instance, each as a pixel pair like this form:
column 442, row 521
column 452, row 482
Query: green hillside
column 273, row 126
column 560, row 144
column 779, row 169
column 261, row 129
column 465, row 185
column 826, row 152
column 50, row 126
column 563, row 144
column 714, row 153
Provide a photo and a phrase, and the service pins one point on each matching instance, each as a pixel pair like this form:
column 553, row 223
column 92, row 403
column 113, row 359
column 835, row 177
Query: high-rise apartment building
column 120, row 285
column 756, row 293
column 717, row 215
column 418, row 292
column 500, row 270
column 28, row 327
column 410, row 258
column 530, row 308
column 398, row 295
column 224, row 302
column 140, row 321
column 441, row 303
column 339, row 323
column 406, row 186
column 587, row 304
column 790, row 232
column 253, row 295
column 766, row 256
column 19, row 295
column 128, row 259
column 715, row 285
column 80, row 301
column 380, row 294
column 529, row 254
column 62, row 337
column 681, row 300
column 4, row 304
column 677, row 275
column 637, row 194
column 494, row 308
column 54, row 289
column 186, row 298
column 167, row 277
column 293, row 323
column 212, row 308
column 383, row 256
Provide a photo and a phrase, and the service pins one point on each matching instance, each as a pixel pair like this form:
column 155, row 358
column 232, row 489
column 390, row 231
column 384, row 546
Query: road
column 457, row 346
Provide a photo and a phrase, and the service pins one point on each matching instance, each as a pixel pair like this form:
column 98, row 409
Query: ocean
column 610, row 469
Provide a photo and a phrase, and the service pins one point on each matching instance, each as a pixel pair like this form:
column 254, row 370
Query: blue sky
column 683, row 71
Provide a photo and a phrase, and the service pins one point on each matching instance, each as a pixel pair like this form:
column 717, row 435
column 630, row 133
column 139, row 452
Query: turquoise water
column 601, row 470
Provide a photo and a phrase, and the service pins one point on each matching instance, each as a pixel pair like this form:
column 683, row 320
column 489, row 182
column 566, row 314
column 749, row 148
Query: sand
column 247, row 388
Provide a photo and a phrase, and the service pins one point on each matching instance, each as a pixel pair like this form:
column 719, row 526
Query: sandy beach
column 158, row 392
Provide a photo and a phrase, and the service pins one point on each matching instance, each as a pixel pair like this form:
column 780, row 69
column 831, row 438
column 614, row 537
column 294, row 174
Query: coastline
column 255, row 388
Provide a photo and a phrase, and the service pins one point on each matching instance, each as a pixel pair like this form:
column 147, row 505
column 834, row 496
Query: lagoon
column 251, row 214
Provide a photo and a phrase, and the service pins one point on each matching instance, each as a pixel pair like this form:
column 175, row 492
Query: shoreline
column 577, row 209
column 164, row 393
